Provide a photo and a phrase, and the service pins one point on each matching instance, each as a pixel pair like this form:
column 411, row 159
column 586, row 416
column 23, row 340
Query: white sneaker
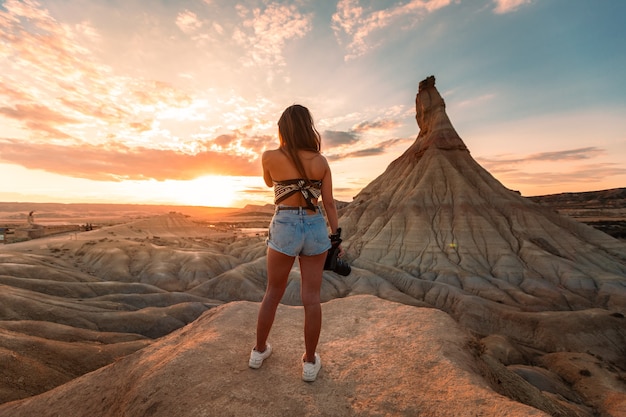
column 257, row 358
column 310, row 370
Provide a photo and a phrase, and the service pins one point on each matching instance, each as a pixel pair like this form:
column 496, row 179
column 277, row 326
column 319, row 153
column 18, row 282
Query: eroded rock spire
column 436, row 216
column 435, row 127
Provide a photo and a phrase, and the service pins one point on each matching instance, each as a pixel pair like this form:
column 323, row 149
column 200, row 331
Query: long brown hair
column 297, row 131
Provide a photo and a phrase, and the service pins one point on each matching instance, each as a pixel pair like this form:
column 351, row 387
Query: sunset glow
column 213, row 191
column 174, row 102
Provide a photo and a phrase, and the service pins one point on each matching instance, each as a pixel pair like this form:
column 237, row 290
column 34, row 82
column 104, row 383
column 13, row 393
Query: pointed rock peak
column 436, row 130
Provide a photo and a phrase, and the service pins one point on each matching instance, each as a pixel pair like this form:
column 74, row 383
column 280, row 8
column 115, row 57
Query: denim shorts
column 296, row 232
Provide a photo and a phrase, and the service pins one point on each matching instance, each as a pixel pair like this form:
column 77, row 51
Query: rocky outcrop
column 440, row 229
column 605, row 209
column 379, row 358
column 437, row 216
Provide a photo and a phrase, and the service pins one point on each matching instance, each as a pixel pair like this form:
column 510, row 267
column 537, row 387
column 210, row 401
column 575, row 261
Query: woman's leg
column 311, row 269
column 278, row 268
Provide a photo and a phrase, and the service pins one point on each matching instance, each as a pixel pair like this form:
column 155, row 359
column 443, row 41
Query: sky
column 173, row 102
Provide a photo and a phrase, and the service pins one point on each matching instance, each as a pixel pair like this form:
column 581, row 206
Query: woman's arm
column 265, row 161
column 328, row 200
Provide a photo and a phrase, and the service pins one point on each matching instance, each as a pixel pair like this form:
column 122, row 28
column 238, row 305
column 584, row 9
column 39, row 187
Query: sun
column 210, row 191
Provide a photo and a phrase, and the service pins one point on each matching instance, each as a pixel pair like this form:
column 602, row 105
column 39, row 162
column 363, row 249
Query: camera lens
column 342, row 268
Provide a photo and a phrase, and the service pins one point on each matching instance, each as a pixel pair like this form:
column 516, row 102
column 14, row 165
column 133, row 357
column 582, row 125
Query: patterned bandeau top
column 310, row 190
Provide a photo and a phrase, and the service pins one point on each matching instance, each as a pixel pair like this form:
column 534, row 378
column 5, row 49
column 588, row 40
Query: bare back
column 278, row 167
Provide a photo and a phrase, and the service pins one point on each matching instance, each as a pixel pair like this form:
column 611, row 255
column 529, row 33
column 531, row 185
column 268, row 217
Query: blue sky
column 145, row 101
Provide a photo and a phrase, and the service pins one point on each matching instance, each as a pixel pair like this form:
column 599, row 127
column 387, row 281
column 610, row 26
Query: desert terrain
column 465, row 299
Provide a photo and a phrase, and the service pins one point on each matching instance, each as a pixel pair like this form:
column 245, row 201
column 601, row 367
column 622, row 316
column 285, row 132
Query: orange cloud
column 514, row 170
column 97, row 109
column 387, row 124
column 47, row 130
column 47, row 45
column 117, row 162
column 64, row 75
column 590, row 175
column 564, row 155
column 12, row 93
column 224, row 140
column 155, row 92
column 507, row 6
column 35, row 112
column 39, row 118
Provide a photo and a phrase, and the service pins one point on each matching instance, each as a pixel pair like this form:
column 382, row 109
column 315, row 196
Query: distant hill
column 605, row 209
column 603, row 199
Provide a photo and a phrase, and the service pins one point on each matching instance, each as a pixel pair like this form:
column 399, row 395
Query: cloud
column 95, row 109
column 379, row 149
column 39, row 118
column 508, row 6
column 224, row 140
column 12, row 93
column 358, row 24
column 152, row 93
column 264, row 33
column 362, row 153
column 60, row 69
column 521, row 172
column 504, row 163
column 367, row 126
column 38, row 41
column 140, row 126
column 117, row 162
column 58, row 88
column 26, row 9
column 574, row 179
column 356, row 141
column 334, row 138
column 476, row 101
column 34, row 112
column 218, row 28
column 188, row 22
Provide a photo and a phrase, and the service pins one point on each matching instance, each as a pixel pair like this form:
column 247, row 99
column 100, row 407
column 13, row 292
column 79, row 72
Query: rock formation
column 381, row 358
column 440, row 229
column 437, row 217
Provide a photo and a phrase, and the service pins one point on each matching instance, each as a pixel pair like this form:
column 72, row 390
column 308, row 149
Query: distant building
column 4, row 232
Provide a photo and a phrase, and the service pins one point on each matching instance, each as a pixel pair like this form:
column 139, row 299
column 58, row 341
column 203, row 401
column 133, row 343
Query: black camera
column 333, row 261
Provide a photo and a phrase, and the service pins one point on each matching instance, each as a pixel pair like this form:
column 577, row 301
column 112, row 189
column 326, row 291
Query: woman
column 299, row 175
